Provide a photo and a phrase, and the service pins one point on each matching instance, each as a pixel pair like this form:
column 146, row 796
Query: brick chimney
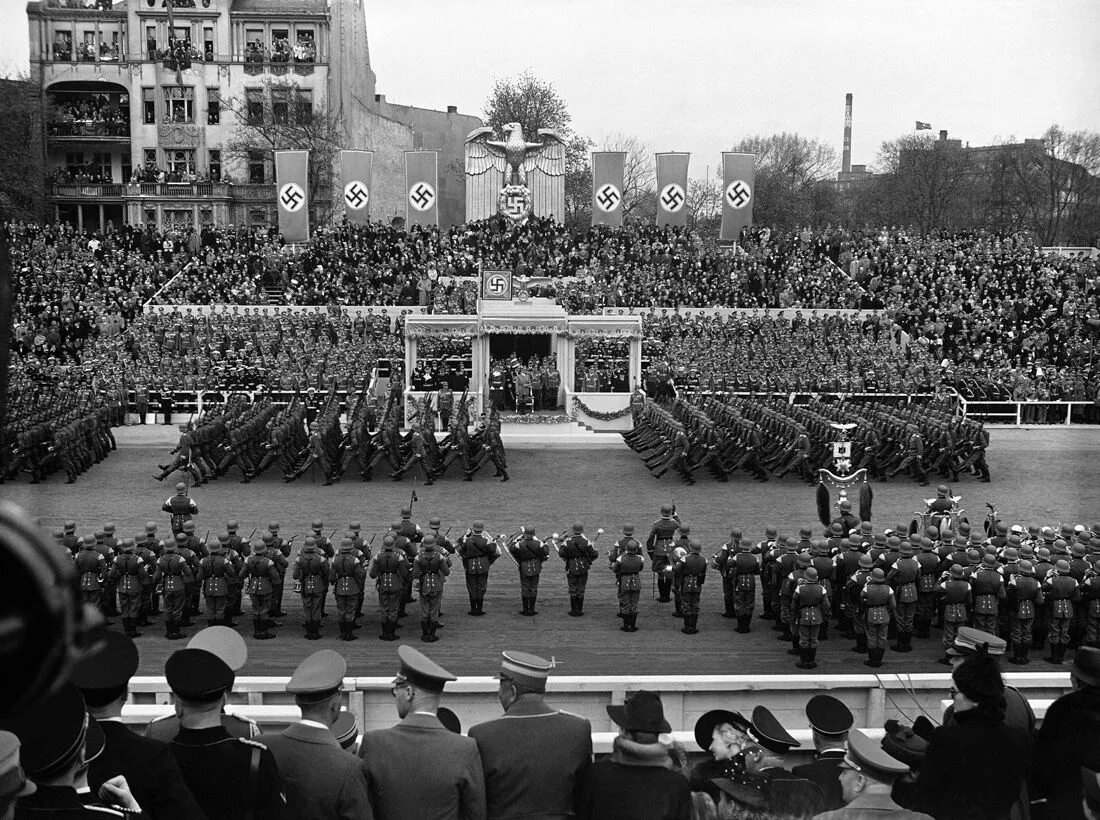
column 846, row 163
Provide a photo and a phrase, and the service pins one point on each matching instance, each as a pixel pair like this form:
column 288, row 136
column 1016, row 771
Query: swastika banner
column 496, row 284
column 672, row 184
column 355, row 168
column 608, row 171
column 292, row 194
column 738, row 181
column 421, row 188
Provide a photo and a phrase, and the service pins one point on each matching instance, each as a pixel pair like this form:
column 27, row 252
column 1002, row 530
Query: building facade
column 145, row 107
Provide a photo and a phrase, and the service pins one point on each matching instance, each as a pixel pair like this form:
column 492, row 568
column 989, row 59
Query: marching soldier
column 180, row 507
column 530, row 554
column 349, row 577
column 173, row 574
column 312, row 570
column 430, row 569
column 578, row 553
column 627, row 567
column 215, row 570
column 129, row 573
column 659, row 546
column 389, row 570
column 260, row 575
column 478, row 554
column 690, row 574
column 878, row 605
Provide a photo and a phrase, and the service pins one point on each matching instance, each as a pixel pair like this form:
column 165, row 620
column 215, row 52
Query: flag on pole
column 738, row 180
column 608, row 172
column 174, row 50
column 421, row 188
column 924, row 126
column 672, row 181
column 292, row 194
column 355, row 171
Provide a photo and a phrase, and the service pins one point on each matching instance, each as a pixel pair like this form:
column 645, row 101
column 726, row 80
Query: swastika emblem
column 356, row 195
column 292, row 197
column 608, row 197
column 497, row 285
column 422, row 196
column 738, row 194
column 672, row 197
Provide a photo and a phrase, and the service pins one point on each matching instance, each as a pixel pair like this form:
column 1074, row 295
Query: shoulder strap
column 253, row 778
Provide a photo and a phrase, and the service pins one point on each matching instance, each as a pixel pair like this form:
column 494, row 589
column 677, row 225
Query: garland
column 536, row 419
column 580, row 407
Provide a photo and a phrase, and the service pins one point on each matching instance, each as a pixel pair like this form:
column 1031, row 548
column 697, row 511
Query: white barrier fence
column 1025, row 412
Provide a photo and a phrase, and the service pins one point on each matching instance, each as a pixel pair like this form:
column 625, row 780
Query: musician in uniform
column 690, row 574
column 389, row 570
column 627, row 567
column 877, row 606
column 180, row 507
column 312, row 570
column 530, row 554
column 659, row 546
column 215, row 571
column 173, row 574
column 903, row 577
column 810, row 605
column 956, row 598
column 130, row 573
column 478, row 554
column 430, row 569
column 578, row 554
column 349, row 577
column 259, row 578
column 534, row 756
column 1025, row 598
column 91, row 567
column 743, row 569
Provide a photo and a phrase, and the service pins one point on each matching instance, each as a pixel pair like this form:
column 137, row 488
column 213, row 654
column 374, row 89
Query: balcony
column 88, row 131
column 166, row 190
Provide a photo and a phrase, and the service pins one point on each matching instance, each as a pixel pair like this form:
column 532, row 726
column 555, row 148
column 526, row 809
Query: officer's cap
column 525, row 669
column 110, row 667
column 318, row 677
column 969, row 641
column 346, row 730
column 828, row 716
column 52, row 730
column 871, row 760
column 224, row 642
column 421, row 671
column 198, row 675
column 769, row 733
column 13, row 780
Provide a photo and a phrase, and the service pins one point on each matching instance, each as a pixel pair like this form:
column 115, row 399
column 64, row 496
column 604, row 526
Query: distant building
column 136, row 130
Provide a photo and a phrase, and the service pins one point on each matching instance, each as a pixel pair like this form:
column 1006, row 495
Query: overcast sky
column 698, row 75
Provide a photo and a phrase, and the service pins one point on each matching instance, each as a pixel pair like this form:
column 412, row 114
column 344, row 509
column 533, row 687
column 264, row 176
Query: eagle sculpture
column 514, row 156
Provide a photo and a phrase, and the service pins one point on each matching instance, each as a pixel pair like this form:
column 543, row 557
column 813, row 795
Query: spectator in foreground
column 867, row 775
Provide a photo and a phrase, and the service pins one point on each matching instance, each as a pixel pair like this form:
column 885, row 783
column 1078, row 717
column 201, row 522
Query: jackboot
column 803, row 659
column 580, row 605
column 796, row 646
column 686, row 628
column 813, row 658
column 861, row 643
column 743, row 624
column 573, row 606
column 626, row 624
column 424, row 633
column 432, row 626
column 384, row 635
column 1019, row 654
column 524, row 609
column 633, row 621
column 823, row 633
column 874, row 659
column 530, row 606
column 473, row 607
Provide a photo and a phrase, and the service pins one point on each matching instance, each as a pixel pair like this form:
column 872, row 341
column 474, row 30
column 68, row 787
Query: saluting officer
column 389, row 570
column 529, row 554
column 578, row 553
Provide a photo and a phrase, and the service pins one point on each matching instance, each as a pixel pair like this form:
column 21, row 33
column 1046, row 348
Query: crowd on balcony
column 86, row 174
column 303, row 50
column 88, row 115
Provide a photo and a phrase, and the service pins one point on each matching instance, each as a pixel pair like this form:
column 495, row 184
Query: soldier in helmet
column 128, row 571
column 260, row 575
column 690, row 574
column 182, row 453
column 173, row 573
column 348, row 577
column 877, row 609
column 430, row 569
column 578, row 554
column 478, row 554
column 180, row 507
column 810, row 605
column 659, row 546
column 313, row 572
column 530, row 554
column 627, row 564
column 215, row 572
column 389, row 570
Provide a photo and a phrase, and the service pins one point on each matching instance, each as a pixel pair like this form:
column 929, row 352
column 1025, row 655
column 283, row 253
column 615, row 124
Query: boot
column 473, row 607
column 424, row 631
column 804, row 659
column 351, row 631
column 384, row 635
column 686, row 628
column 861, row 643
column 432, row 627
column 813, row 658
column 1019, row 654
column 480, row 606
column 633, row 621
column 573, row 606
column 796, row 646
column 525, row 608
column 900, row 645
column 823, row 633
column 257, row 628
column 132, row 629
column 874, row 659
column 580, row 605
column 531, row 605
column 923, row 629
column 743, row 624
column 626, row 623
column 785, row 633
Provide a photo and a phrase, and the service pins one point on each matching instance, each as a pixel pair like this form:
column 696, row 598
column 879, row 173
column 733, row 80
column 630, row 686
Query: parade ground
column 1043, row 475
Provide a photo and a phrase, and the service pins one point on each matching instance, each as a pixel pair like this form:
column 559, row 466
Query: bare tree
column 927, row 177
column 531, row 102
column 789, row 168
column 578, row 183
column 639, row 174
column 21, row 171
column 704, row 203
column 284, row 117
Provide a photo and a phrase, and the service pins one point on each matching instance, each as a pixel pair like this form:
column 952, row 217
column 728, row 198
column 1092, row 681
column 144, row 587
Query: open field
column 1043, row 476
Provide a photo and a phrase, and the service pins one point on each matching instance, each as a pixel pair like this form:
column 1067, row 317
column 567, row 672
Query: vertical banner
column 672, row 185
column 291, row 197
column 355, row 168
column 421, row 188
column 738, row 179
column 608, row 170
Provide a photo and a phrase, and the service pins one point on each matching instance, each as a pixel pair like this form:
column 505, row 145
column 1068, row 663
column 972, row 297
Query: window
column 208, row 43
column 178, row 219
column 151, row 41
column 213, row 107
column 305, row 50
column 305, row 105
column 63, row 45
column 179, row 103
column 214, row 164
column 90, row 48
column 280, row 107
column 150, row 216
column 127, row 168
column 254, row 103
column 101, row 164
column 74, row 162
column 149, row 156
column 255, row 48
column 181, row 163
column 256, row 168
column 149, row 106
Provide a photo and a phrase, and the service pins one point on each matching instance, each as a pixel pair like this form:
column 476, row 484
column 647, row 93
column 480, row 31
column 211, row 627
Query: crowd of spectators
column 303, row 50
column 88, row 115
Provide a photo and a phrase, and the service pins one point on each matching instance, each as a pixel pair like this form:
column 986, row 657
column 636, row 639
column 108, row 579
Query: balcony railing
column 240, row 193
column 87, row 128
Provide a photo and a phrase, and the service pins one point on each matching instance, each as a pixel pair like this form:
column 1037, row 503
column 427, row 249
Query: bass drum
column 917, row 525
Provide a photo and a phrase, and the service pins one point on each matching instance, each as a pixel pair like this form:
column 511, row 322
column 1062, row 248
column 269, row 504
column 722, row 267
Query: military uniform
column 955, row 599
column 430, row 569
column 530, row 554
column 578, row 554
column 312, row 570
column 259, row 577
column 877, row 608
column 389, row 569
column 348, row 578
column 689, row 575
column 215, row 572
column 478, row 554
column 659, row 546
column 903, row 577
column 91, row 568
column 627, row 567
column 129, row 572
column 173, row 573
column 180, row 507
column 831, row 720
column 1025, row 598
column 1061, row 592
column 810, row 602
